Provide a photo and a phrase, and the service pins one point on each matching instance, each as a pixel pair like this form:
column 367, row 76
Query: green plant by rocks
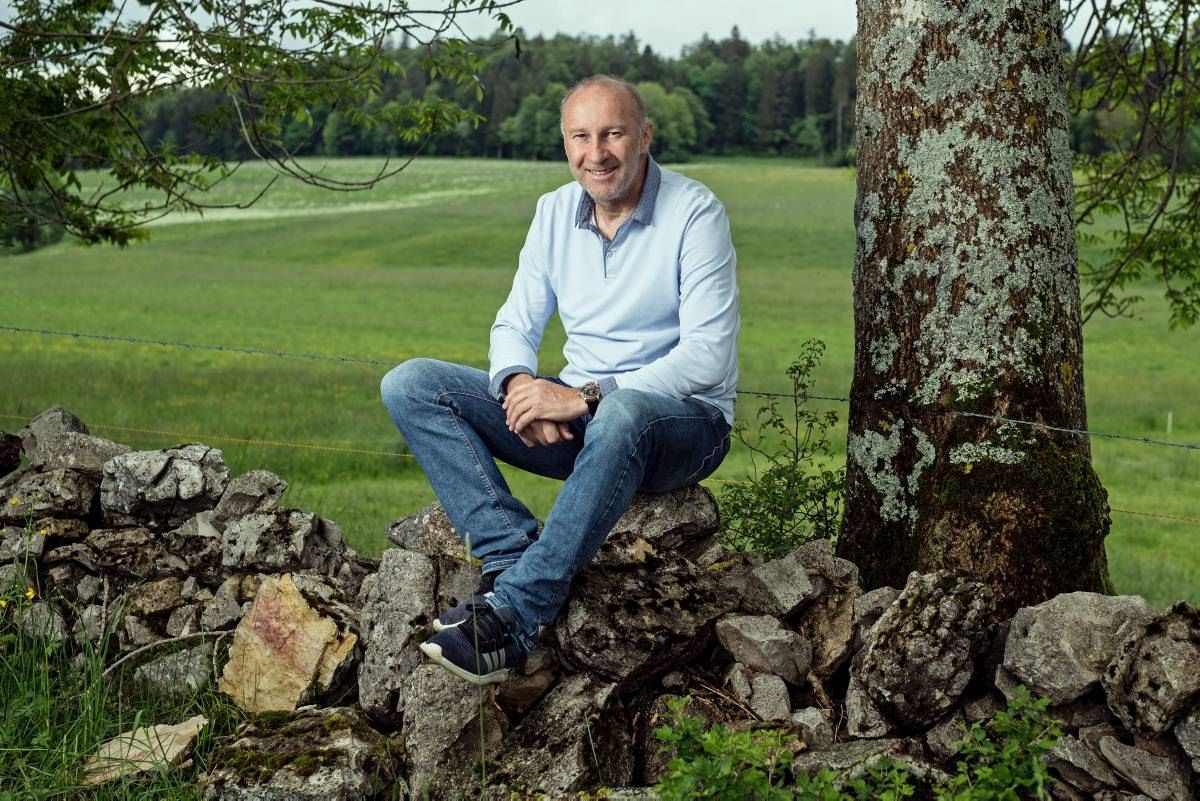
column 794, row 494
column 1000, row 760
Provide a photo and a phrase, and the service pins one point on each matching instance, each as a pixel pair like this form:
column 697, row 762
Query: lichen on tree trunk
column 966, row 298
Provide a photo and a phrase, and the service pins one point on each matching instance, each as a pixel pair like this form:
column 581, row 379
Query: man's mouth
column 602, row 173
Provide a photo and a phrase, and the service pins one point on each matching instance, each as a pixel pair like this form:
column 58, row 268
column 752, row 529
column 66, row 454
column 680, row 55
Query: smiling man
column 639, row 265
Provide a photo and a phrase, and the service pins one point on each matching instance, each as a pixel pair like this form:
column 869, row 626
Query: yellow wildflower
column 3, row 604
column 29, row 593
column 14, row 501
column 42, row 533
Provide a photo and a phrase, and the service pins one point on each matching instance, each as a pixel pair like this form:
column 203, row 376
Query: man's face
column 603, row 142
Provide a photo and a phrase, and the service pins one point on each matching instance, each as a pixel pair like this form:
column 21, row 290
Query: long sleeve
column 521, row 321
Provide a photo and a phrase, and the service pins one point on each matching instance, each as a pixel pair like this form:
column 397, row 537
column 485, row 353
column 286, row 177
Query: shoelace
column 489, row 628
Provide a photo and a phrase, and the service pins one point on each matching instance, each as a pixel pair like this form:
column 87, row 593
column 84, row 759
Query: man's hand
column 545, row 432
column 529, row 399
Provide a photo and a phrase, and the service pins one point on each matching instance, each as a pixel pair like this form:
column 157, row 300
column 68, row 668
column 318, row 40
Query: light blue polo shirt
column 655, row 309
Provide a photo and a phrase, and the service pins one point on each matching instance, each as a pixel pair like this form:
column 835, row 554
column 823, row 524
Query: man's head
column 606, row 136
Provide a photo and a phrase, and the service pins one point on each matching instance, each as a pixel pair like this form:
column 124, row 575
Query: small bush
column 796, row 496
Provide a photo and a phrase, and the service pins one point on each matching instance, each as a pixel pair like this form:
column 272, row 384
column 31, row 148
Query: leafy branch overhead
column 77, row 76
column 1135, row 92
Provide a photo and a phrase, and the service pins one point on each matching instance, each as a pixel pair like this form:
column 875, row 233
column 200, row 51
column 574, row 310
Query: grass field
column 419, row 266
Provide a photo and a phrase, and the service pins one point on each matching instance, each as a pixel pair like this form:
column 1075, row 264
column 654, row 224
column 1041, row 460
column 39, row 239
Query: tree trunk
column 966, row 299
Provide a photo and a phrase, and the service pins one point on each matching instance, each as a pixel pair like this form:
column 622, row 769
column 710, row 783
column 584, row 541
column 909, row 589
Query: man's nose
column 597, row 150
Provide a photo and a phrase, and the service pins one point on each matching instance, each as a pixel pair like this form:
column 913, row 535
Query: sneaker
column 456, row 616
column 482, row 650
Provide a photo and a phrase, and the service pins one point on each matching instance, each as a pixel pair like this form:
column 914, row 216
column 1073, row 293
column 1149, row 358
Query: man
column 638, row 263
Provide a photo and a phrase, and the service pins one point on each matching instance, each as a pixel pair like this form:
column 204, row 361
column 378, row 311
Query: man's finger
column 527, row 417
column 564, row 431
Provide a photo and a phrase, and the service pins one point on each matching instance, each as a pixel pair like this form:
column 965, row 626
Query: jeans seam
column 706, row 459
column 478, row 463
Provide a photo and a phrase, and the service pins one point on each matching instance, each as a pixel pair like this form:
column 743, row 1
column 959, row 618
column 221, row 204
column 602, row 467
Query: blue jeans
column 636, row 441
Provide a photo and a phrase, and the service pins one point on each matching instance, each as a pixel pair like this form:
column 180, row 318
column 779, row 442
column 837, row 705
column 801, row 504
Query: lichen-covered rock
column 920, row 656
column 637, row 621
column 827, row 621
column 154, row 597
column 223, row 609
column 316, row 755
column 59, row 530
column 162, row 489
column 761, row 643
column 41, row 620
column 74, row 451
column 428, row 532
column 1187, row 734
column 443, row 721
column 841, row 757
column 10, row 453
column 863, row 718
column 177, row 677
column 1081, row 767
column 576, row 737
column 1060, row 648
column 249, row 493
column 1157, row 776
column 943, row 739
column 1155, row 677
column 52, row 422
column 668, row 521
column 813, row 726
column 184, row 620
column 19, row 544
column 193, row 550
column 57, row 493
column 396, row 613
column 528, row 683
column 282, row 540
column 285, row 652
column 131, row 552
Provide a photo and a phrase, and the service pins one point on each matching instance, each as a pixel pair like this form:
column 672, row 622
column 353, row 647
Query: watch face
column 590, row 391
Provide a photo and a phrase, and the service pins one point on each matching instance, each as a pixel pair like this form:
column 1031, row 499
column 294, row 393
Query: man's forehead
column 599, row 99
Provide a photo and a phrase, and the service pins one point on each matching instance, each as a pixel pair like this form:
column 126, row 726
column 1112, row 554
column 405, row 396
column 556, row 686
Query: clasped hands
column 538, row 410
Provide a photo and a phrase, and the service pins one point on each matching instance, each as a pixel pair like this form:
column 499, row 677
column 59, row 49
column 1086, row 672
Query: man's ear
column 647, row 135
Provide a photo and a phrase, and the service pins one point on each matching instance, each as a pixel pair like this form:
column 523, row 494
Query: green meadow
column 418, row 267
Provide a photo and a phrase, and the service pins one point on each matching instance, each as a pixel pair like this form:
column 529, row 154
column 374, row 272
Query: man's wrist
column 508, row 380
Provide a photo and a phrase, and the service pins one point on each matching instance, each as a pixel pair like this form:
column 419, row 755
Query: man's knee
column 408, row 380
column 625, row 412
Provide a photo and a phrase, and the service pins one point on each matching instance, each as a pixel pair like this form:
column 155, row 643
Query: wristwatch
column 590, row 392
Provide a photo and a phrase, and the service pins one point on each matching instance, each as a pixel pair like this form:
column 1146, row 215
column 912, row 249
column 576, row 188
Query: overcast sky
column 668, row 26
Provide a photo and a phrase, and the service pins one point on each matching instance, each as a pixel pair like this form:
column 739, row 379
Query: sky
column 667, row 26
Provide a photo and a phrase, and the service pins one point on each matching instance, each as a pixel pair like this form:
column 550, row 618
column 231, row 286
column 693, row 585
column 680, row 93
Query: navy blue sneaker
column 482, row 649
column 455, row 616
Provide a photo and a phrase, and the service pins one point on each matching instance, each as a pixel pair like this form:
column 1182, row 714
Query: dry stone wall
column 204, row 582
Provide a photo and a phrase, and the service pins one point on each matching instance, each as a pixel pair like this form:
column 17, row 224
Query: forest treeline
column 720, row 96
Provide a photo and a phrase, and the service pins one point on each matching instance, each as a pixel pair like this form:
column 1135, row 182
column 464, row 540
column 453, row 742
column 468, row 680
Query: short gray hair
column 639, row 103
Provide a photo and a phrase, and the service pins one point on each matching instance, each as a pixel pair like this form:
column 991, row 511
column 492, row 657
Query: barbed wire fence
column 185, row 436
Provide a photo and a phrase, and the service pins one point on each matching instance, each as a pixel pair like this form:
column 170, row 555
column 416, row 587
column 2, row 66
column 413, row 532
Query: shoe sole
column 439, row 626
column 434, row 652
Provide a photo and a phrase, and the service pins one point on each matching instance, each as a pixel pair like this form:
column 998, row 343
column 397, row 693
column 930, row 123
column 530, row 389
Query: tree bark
column 966, row 299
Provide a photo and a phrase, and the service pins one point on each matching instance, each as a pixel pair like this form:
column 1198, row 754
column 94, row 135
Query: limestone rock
column 1155, row 677
column 282, row 540
column 863, row 718
column 162, row 489
column 61, row 529
column 919, row 657
column 194, row 550
column 537, row 674
column 316, row 755
column 53, row 421
column 637, row 621
column 1187, row 733
column 442, row 731
column 668, row 521
column 827, row 621
column 144, row 749
column 396, row 613
column 551, row 750
column 88, row 589
column 769, row 697
column 738, row 681
column 75, row 451
column 10, row 453
column 19, row 544
column 155, row 597
column 131, row 552
column 223, row 609
column 777, row 587
column 1081, row 767
column 943, row 739
column 179, row 676
column 249, row 493
column 1158, row 777
column 184, row 620
column 135, row 633
column 56, row 493
column 284, row 652
column 428, row 532
column 41, row 620
column 844, row 756
column 763, row 644
column 813, row 726
column 1059, row 648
